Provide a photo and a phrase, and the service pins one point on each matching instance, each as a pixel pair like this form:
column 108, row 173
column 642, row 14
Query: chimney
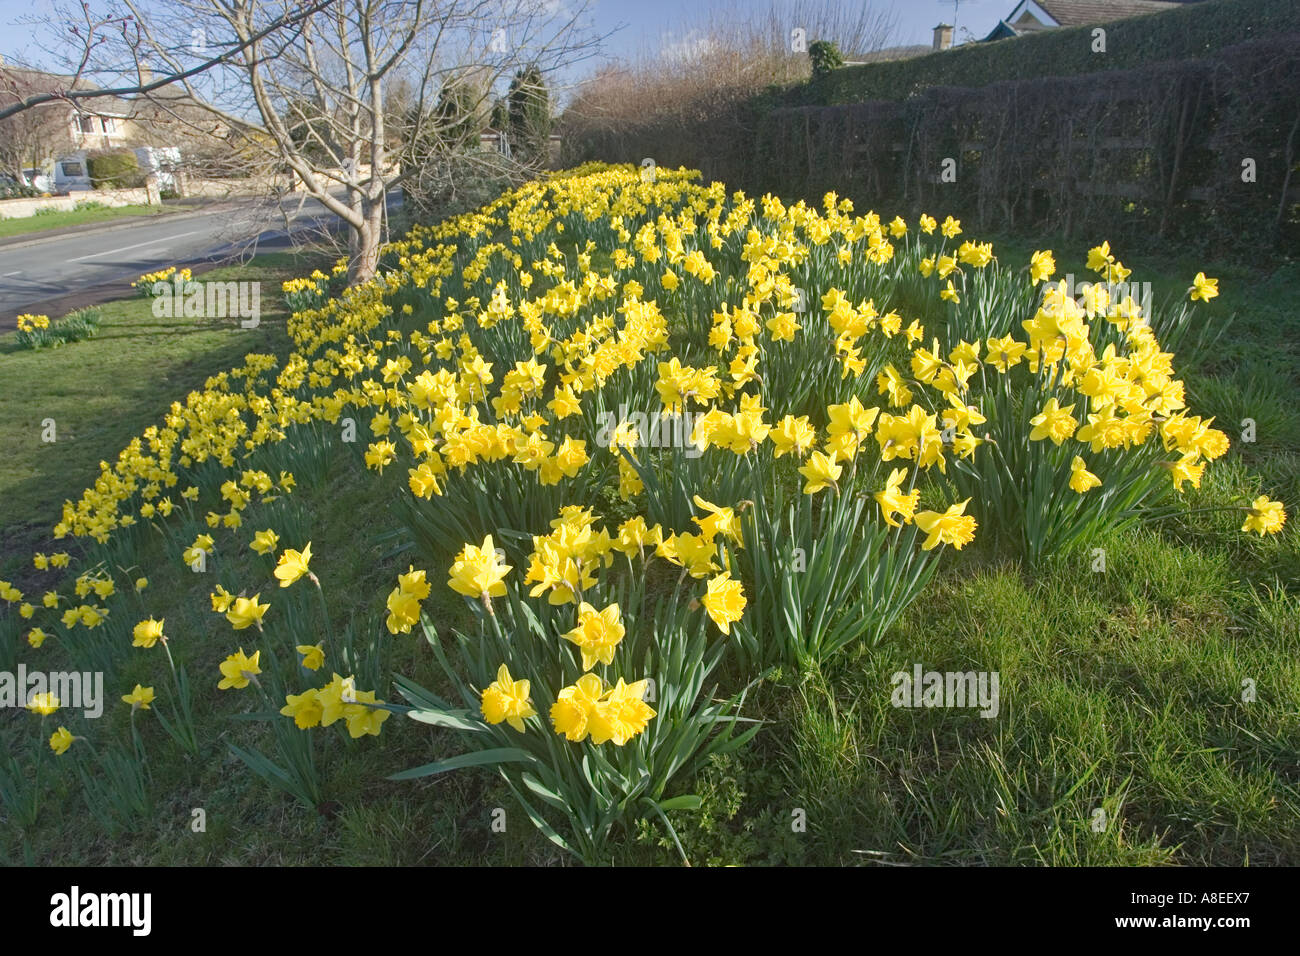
column 146, row 72
column 943, row 36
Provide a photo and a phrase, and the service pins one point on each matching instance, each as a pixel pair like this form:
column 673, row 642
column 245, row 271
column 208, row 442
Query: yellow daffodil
column 140, row 698
column 1042, row 266
column 363, row 719
column 573, row 706
column 1053, row 422
column 61, row 740
column 245, row 612
column 1266, row 517
column 820, row 472
column 596, row 634
column 952, row 527
column 720, row 521
column 148, row 633
column 793, row 435
column 506, row 699
column 293, row 565
column 1081, row 479
column 724, row 602
column 43, row 704
column 221, row 600
column 313, row 655
column 1203, row 288
column 620, row 715
column 404, row 601
column 238, row 670
column 305, row 708
column 264, row 542
column 478, row 572
column 893, row 501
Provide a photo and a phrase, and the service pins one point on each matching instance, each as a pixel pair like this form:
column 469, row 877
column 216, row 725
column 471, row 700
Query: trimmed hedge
column 1153, row 149
column 1192, row 32
column 118, row 169
column 1131, row 153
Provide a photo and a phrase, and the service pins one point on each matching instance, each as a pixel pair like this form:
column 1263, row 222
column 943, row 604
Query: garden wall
column 22, row 208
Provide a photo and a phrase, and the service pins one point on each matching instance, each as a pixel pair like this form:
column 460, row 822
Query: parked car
column 71, row 174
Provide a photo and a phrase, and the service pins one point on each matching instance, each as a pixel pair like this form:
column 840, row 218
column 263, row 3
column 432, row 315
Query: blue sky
column 916, row 18
column 645, row 22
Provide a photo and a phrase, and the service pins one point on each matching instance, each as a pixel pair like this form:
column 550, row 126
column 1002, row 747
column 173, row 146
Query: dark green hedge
column 118, row 169
column 1153, row 151
column 1152, row 145
column 1191, row 32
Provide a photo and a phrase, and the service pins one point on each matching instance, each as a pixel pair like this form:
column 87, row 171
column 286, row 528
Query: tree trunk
column 363, row 243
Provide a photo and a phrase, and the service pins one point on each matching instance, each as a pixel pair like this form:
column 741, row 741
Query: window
column 72, row 170
column 110, row 124
column 87, row 124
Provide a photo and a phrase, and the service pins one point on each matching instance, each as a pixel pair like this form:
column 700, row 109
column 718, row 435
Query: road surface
column 72, row 268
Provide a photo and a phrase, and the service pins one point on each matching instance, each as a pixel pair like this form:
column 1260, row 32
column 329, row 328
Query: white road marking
column 151, row 242
column 8, row 274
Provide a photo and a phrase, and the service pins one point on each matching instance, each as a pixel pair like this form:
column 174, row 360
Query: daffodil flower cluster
column 803, row 341
column 144, row 285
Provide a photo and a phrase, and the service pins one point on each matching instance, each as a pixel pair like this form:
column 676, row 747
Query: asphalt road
column 74, row 268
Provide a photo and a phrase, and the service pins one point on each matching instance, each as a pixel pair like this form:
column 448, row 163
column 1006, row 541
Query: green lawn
column 73, row 217
column 103, row 391
column 1122, row 691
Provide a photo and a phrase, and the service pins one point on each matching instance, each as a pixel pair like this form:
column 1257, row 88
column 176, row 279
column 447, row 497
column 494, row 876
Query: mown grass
column 72, row 217
column 1127, row 732
column 103, row 391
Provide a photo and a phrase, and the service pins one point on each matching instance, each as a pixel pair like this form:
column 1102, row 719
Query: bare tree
column 30, row 137
column 84, row 33
column 316, row 104
column 698, row 77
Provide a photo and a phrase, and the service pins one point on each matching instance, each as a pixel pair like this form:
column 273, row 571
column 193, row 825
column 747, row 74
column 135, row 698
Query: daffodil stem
column 680, row 578
column 36, row 775
column 171, row 661
column 324, row 610
column 496, row 625
column 136, row 743
column 184, row 720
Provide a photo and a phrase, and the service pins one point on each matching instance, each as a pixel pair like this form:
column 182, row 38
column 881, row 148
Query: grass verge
column 1148, row 710
column 73, row 217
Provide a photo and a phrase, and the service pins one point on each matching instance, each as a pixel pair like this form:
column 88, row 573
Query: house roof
column 31, row 81
column 1033, row 16
column 1076, row 13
